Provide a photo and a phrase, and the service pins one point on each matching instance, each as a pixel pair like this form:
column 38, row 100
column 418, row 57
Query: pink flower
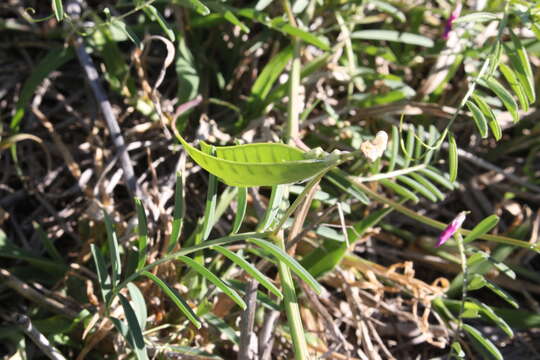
column 448, row 26
column 452, row 228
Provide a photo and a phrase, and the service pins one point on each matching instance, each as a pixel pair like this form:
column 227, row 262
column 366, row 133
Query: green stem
column 461, row 248
column 291, row 305
column 437, row 224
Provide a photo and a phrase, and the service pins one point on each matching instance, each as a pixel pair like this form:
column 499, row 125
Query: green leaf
column 488, row 113
column 262, row 164
column 434, row 175
column 104, row 279
column 142, row 229
column 393, row 149
column 489, row 313
column 241, row 205
column 179, row 211
column 502, row 94
column 154, row 14
column 186, row 71
column 409, row 146
column 196, row 5
column 58, row 9
column 140, row 304
column 415, row 185
column 266, row 80
column 392, row 35
column 457, row 351
column 428, row 185
column 452, row 157
column 48, row 244
column 121, row 26
column 390, row 9
column 223, row 327
column 114, row 251
column 280, row 24
column 289, row 262
column 251, row 270
column 476, row 282
column 55, row 58
column 476, row 336
column 175, row 297
column 511, row 78
column 272, row 210
column 502, row 294
column 521, row 61
column 213, row 279
column 339, row 178
column 495, row 58
column 400, row 190
column 479, row 119
column 134, row 336
column 209, row 218
column 477, row 17
column 481, row 228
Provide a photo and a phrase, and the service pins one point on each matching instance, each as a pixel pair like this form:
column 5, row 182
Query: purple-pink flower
column 453, row 16
column 452, row 228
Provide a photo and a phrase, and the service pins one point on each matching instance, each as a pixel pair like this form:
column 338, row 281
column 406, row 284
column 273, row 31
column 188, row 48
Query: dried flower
column 373, row 149
column 453, row 16
column 452, row 228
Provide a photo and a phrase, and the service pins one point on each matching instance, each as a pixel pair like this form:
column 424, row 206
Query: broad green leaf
column 175, row 297
column 154, row 14
column 516, row 86
column 213, row 279
column 476, row 336
column 488, row 113
column 392, row 35
column 241, row 205
column 428, row 185
column 104, row 279
column 489, row 313
column 400, row 190
column 262, row 164
column 140, row 304
column 55, row 58
column 502, row 94
column 134, row 336
column 479, row 119
column 251, row 270
column 415, row 185
column 142, row 230
column 290, row 262
column 58, row 9
column 452, row 157
column 523, row 67
column 477, row 17
column 114, row 250
column 179, row 211
column 481, row 228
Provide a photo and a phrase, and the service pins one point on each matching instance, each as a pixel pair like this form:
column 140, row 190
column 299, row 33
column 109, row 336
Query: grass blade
column 104, row 279
column 241, row 205
column 476, row 336
column 114, row 251
column 140, row 304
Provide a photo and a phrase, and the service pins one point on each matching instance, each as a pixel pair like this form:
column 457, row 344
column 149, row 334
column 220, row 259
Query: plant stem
column 461, row 248
column 291, row 305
